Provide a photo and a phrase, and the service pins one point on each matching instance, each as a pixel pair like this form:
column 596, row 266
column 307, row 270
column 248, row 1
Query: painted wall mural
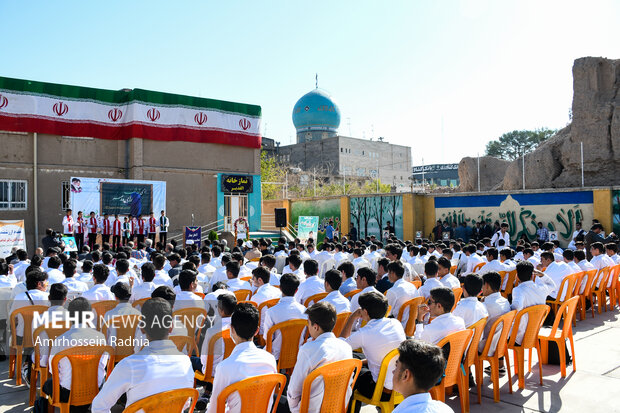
column 615, row 196
column 325, row 209
column 558, row 211
column 370, row 214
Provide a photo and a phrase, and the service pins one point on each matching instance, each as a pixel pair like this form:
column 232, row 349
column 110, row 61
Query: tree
column 513, row 145
column 271, row 171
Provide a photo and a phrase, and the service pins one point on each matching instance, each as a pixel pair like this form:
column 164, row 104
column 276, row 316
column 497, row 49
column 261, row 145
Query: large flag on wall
column 29, row 106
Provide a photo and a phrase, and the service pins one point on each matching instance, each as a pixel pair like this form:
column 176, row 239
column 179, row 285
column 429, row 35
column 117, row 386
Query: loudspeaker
column 280, row 214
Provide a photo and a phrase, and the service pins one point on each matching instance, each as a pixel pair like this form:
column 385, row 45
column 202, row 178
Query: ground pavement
column 590, row 389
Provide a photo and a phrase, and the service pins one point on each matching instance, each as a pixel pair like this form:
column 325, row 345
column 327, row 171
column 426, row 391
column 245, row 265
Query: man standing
column 502, row 234
column 594, row 235
column 117, row 232
column 67, row 224
column 140, row 228
column 152, row 225
column 542, row 233
column 163, row 228
column 92, row 230
column 329, row 231
column 353, row 232
column 106, row 229
column 80, row 229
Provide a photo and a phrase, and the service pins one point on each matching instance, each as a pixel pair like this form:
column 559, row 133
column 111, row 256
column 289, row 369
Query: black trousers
column 79, row 240
column 152, row 236
column 116, row 241
column 105, row 238
column 163, row 237
column 92, row 240
column 365, row 384
column 139, row 238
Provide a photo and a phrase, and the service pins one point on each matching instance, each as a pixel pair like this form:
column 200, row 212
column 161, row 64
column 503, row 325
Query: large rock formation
column 596, row 122
column 491, row 173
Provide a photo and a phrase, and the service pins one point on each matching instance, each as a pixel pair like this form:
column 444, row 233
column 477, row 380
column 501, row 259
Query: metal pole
column 377, row 175
column 523, row 168
column 582, row 177
column 344, row 180
column 423, row 175
column 478, row 172
column 35, row 181
column 314, row 180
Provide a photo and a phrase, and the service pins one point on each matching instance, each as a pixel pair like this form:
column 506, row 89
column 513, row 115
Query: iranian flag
column 29, row 106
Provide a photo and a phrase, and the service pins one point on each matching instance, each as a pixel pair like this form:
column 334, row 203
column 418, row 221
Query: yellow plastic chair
column 471, row 354
column 182, row 343
column 84, row 375
column 100, row 308
column 478, row 266
column 193, row 319
column 536, row 315
column 337, row 380
column 16, row 350
column 229, row 345
column 36, row 369
column 171, row 401
column 139, row 303
column 291, row 332
column 125, row 333
column 412, row 305
column 599, row 291
column 590, row 280
column 255, row 393
column 243, row 295
column 510, row 284
column 341, row 320
column 453, row 374
column 395, row 398
column 453, row 269
column 261, row 307
column 568, row 285
column 505, row 321
column 417, row 283
column 458, row 291
column 614, row 293
column 350, row 294
column 566, row 311
column 314, row 299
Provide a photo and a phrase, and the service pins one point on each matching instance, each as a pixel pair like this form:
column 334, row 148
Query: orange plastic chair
column 262, row 306
column 201, row 295
column 138, row 303
column 168, row 401
column 249, row 302
column 615, row 286
column 38, row 370
column 502, row 274
column 246, row 278
column 84, row 375
column 350, row 294
column 193, row 319
column 341, row 320
column 599, row 291
column 182, row 343
column 229, row 345
column 453, row 374
column 291, row 332
column 126, row 326
column 453, row 269
column 243, row 295
column 314, row 299
column 255, row 393
column 386, row 406
column 590, row 280
column 506, row 323
column 458, row 291
column 478, row 266
column 337, row 379
column 412, row 305
column 566, row 311
column 16, row 350
column 536, row 315
column 568, row 285
column 510, row 284
column 579, row 276
column 472, row 353
column 100, row 308
column 417, row 283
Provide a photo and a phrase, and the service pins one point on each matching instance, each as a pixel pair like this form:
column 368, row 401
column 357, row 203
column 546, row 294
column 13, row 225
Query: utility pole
column 314, row 180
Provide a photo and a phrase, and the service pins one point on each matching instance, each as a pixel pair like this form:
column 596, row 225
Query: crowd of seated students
column 366, row 280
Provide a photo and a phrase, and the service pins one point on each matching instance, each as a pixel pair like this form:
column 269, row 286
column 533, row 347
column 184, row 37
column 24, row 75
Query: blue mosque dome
column 316, row 116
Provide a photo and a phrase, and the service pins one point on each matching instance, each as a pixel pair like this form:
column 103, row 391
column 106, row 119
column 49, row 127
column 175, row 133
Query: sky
column 444, row 77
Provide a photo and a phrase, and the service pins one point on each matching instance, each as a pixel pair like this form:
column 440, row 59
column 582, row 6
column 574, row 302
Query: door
column 235, row 206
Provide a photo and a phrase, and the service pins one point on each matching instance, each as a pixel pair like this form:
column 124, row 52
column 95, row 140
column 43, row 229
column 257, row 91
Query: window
column 13, row 195
column 341, row 150
column 65, row 195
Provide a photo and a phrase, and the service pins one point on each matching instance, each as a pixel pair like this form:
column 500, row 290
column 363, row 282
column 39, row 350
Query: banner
column 12, row 234
column 192, row 235
column 239, row 184
column 70, row 244
column 117, row 196
column 307, row 227
column 30, row 106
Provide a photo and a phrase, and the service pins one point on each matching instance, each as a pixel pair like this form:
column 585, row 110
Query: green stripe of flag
column 122, row 97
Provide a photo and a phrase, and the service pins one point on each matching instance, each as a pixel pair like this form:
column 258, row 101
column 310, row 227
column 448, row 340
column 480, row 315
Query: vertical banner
column 307, row 227
column 193, row 234
column 12, row 234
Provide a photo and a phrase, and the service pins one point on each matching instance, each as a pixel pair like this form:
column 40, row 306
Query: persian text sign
column 240, row 184
column 193, row 235
column 558, row 211
column 12, row 234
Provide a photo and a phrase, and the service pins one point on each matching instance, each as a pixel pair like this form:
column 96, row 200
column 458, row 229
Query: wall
column 559, row 211
column 325, row 209
column 371, row 214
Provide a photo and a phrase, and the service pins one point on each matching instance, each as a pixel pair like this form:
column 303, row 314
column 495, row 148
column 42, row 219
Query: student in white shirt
column 74, row 286
column 57, row 311
column 432, row 281
column 158, row 367
column 493, row 263
column 473, row 259
column 19, row 269
column 529, row 293
column 502, row 234
column 210, row 299
column 99, row 291
column 83, row 330
column 234, row 283
column 294, row 266
column 324, row 348
column 87, row 273
column 444, row 322
column 287, row 309
column 54, row 274
column 246, row 360
column 584, row 265
column 220, row 273
column 161, row 275
column 144, row 290
column 600, row 259
column 186, row 297
column 401, row 290
column 333, row 280
column 312, row 284
column 7, row 279
column 377, row 338
column 443, row 273
column 469, row 308
column 611, row 249
column 264, row 290
column 347, row 270
column 269, row 261
column 365, row 279
column 37, row 285
column 529, row 255
column 496, row 306
column 557, row 271
column 122, row 293
column 418, row 369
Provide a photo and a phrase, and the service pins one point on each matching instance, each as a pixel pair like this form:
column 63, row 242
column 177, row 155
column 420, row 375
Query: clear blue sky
column 444, row 77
